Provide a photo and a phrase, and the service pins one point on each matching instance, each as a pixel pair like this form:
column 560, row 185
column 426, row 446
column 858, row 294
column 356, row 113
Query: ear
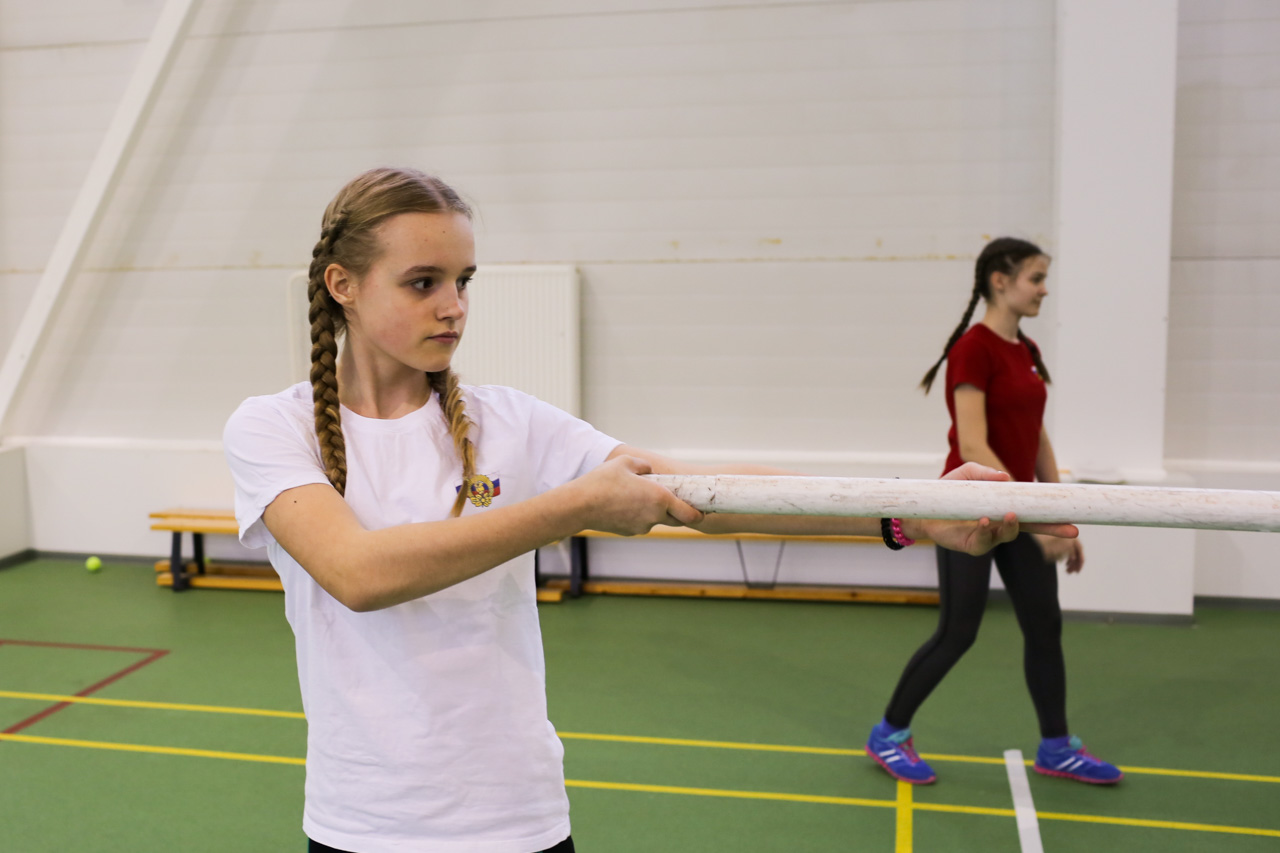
column 1000, row 281
column 340, row 283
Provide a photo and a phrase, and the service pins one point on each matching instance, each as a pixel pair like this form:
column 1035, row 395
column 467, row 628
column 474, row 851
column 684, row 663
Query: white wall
column 762, row 197
column 1223, row 406
column 15, row 515
column 775, row 207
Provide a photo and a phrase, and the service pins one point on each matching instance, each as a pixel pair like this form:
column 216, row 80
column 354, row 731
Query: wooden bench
column 579, row 581
column 202, row 574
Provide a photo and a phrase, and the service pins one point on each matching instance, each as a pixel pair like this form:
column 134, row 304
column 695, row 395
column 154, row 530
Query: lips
column 445, row 338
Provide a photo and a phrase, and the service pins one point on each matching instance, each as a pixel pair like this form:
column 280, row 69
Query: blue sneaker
column 894, row 752
column 1072, row 762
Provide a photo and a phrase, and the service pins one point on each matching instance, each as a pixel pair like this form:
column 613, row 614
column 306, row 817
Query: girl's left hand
column 979, row 537
column 1057, row 550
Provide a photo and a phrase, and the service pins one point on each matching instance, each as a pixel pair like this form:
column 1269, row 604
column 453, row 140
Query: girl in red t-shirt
column 996, row 392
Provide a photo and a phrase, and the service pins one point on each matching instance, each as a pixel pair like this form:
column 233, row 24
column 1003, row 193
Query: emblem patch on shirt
column 482, row 490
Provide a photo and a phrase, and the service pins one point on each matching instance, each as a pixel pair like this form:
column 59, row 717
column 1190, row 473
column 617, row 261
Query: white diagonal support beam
column 121, row 134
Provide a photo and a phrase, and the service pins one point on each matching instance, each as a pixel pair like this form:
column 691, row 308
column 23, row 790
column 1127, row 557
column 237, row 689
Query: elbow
column 351, row 594
column 359, row 601
column 351, row 583
column 360, row 593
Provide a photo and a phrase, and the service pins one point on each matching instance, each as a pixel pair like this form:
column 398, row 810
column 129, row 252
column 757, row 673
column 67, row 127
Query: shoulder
column 284, row 411
column 973, row 342
column 498, row 397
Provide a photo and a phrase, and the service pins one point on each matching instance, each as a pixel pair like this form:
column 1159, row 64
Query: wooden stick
column 1077, row 503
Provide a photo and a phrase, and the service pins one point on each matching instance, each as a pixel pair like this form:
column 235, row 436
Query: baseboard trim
column 23, row 556
column 1227, row 602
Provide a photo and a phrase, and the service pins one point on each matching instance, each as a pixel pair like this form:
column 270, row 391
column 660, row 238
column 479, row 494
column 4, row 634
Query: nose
column 452, row 304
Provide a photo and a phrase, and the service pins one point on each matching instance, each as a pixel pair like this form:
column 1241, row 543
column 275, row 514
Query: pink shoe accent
column 1062, row 774
column 889, row 770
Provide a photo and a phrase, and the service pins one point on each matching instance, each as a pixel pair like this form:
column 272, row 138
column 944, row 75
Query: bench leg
column 197, row 550
column 176, row 569
column 746, row 575
column 577, row 565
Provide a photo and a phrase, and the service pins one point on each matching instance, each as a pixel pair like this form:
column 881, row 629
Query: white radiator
column 522, row 331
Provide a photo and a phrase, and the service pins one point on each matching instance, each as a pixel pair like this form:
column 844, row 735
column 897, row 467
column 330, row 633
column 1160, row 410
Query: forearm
column 1046, row 462
column 981, row 453
column 376, row 569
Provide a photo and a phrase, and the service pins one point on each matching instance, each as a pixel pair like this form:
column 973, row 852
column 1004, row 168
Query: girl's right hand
column 620, row 501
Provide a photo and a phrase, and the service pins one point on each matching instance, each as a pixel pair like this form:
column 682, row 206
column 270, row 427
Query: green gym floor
column 688, row 725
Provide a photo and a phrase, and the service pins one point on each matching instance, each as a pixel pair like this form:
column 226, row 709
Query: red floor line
column 152, row 656
column 84, row 646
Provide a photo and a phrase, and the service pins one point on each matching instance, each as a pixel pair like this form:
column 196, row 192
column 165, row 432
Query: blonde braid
column 327, row 323
column 445, row 383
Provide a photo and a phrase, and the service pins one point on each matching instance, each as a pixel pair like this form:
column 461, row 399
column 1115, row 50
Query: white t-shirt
column 427, row 721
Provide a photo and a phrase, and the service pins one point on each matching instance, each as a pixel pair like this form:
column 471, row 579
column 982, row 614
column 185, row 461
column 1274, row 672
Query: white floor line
column 1023, row 807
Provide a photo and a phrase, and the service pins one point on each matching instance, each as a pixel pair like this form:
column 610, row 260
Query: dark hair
column 1006, row 255
column 348, row 237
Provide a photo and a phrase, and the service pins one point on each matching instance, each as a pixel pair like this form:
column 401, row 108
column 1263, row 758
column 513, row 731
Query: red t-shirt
column 1016, row 395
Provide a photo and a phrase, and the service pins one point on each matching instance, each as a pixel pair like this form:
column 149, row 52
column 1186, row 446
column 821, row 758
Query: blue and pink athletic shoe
column 1072, row 762
column 894, row 751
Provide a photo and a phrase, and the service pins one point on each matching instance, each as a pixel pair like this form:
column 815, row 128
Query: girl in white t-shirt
column 419, row 654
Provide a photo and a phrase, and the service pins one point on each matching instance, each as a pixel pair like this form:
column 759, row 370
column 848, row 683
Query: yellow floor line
column 701, row 792
column 713, row 744
column 154, row 706
column 1159, row 824
column 661, row 741
column 822, row 750
column 730, row 794
column 159, row 750
column 902, row 840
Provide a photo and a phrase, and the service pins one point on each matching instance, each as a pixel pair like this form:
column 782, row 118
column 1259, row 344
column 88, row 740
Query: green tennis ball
column 93, row 564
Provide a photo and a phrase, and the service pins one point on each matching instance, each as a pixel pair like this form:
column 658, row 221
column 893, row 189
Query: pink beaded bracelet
column 898, row 535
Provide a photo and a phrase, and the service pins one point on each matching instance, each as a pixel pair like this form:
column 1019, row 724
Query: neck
column 1002, row 321
column 375, row 386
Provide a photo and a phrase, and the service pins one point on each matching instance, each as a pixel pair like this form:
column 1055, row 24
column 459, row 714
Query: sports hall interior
column 759, row 219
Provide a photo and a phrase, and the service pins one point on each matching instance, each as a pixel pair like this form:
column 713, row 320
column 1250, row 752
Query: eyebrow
column 430, row 270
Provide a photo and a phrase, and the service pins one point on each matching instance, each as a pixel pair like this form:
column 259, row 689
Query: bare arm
column 971, row 428
column 1055, row 549
column 1046, row 462
column 373, row 569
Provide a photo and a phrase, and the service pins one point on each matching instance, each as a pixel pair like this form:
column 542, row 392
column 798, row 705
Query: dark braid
column 1041, row 370
column 1006, row 255
column 927, row 382
column 327, row 322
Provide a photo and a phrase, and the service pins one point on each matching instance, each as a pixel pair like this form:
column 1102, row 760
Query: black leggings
column 963, row 582
column 565, row 846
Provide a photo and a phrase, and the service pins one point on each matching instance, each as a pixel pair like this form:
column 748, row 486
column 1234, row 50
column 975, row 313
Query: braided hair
column 1005, row 255
column 348, row 238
